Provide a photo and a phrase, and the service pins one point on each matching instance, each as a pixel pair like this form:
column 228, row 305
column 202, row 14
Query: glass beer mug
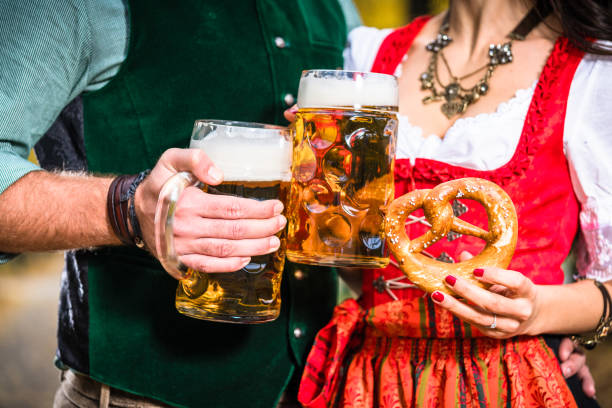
column 256, row 162
column 342, row 172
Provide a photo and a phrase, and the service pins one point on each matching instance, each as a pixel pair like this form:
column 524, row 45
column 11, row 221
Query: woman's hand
column 508, row 308
column 512, row 303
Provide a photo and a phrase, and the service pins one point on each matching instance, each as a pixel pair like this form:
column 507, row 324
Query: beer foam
column 244, row 158
column 347, row 89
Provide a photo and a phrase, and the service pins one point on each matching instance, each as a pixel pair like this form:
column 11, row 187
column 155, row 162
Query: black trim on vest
column 63, row 148
column 73, row 314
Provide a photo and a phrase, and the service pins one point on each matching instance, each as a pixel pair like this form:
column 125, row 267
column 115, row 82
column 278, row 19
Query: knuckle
column 225, row 249
column 196, row 157
column 525, row 312
column 578, row 359
column 495, row 303
column 169, row 153
column 181, row 229
column 525, row 284
column 484, row 321
column 517, row 282
column 203, row 265
column 234, row 210
column 193, row 193
column 208, row 247
column 236, row 230
column 513, row 326
column 211, row 205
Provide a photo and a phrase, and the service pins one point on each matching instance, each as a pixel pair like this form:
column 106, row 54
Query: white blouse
column 587, row 142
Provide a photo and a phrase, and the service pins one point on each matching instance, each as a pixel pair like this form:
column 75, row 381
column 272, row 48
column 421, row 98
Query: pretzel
column 428, row 273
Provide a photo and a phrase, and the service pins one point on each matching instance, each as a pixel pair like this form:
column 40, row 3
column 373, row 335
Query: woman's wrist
column 567, row 309
column 603, row 325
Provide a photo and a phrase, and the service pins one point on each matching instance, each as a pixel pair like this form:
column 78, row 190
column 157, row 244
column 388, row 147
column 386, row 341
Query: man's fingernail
column 215, row 174
column 274, row 243
column 478, row 272
column 283, row 222
column 293, row 109
column 437, row 296
column 245, row 261
column 278, row 208
column 566, row 372
column 450, row 279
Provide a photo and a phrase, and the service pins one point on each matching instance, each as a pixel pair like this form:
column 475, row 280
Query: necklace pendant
column 451, row 91
column 453, row 108
column 426, row 81
column 500, row 54
column 431, row 98
column 441, row 41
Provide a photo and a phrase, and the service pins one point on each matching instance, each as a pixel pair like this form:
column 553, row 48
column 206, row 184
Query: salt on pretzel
column 428, row 273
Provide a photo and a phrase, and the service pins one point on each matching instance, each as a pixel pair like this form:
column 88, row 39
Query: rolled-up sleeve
column 44, row 49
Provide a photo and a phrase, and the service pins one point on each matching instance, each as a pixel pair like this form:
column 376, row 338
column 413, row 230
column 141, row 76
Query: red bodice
column 536, row 177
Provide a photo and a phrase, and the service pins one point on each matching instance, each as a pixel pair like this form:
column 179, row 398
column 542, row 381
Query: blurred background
column 29, row 285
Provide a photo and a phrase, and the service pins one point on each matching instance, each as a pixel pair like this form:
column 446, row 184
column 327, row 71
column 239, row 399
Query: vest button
column 289, row 99
column 297, row 333
column 298, row 274
column 280, row 42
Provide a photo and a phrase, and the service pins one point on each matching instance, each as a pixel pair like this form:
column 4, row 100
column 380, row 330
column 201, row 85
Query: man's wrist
column 121, row 211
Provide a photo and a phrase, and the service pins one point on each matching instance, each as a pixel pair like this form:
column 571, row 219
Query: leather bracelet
column 136, row 231
column 603, row 327
column 121, row 211
column 117, row 207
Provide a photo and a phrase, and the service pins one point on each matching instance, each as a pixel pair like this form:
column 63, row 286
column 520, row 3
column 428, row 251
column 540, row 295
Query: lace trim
column 517, row 104
column 509, row 114
column 594, row 258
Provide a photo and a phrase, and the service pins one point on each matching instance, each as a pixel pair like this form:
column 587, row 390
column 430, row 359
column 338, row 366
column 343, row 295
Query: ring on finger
column 494, row 324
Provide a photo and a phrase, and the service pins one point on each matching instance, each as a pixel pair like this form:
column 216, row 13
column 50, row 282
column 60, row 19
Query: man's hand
column 573, row 361
column 212, row 233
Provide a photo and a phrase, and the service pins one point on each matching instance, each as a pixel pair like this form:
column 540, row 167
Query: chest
column 204, row 60
column 529, row 59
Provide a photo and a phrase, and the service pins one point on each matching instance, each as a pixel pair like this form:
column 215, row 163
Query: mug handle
column 164, row 223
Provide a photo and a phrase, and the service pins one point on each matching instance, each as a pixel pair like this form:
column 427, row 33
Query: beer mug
column 342, row 172
column 256, row 163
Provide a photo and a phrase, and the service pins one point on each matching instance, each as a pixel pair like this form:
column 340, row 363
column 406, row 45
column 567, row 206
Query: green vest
column 191, row 60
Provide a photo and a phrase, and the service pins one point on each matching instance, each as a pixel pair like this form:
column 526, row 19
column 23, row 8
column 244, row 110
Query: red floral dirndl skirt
column 411, row 353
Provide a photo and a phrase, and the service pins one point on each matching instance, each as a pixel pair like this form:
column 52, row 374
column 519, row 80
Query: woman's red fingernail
column 437, row 296
column 478, row 272
column 450, row 279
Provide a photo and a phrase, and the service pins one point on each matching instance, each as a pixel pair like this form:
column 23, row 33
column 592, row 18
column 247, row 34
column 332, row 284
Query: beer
column 256, row 164
column 342, row 172
column 251, row 294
